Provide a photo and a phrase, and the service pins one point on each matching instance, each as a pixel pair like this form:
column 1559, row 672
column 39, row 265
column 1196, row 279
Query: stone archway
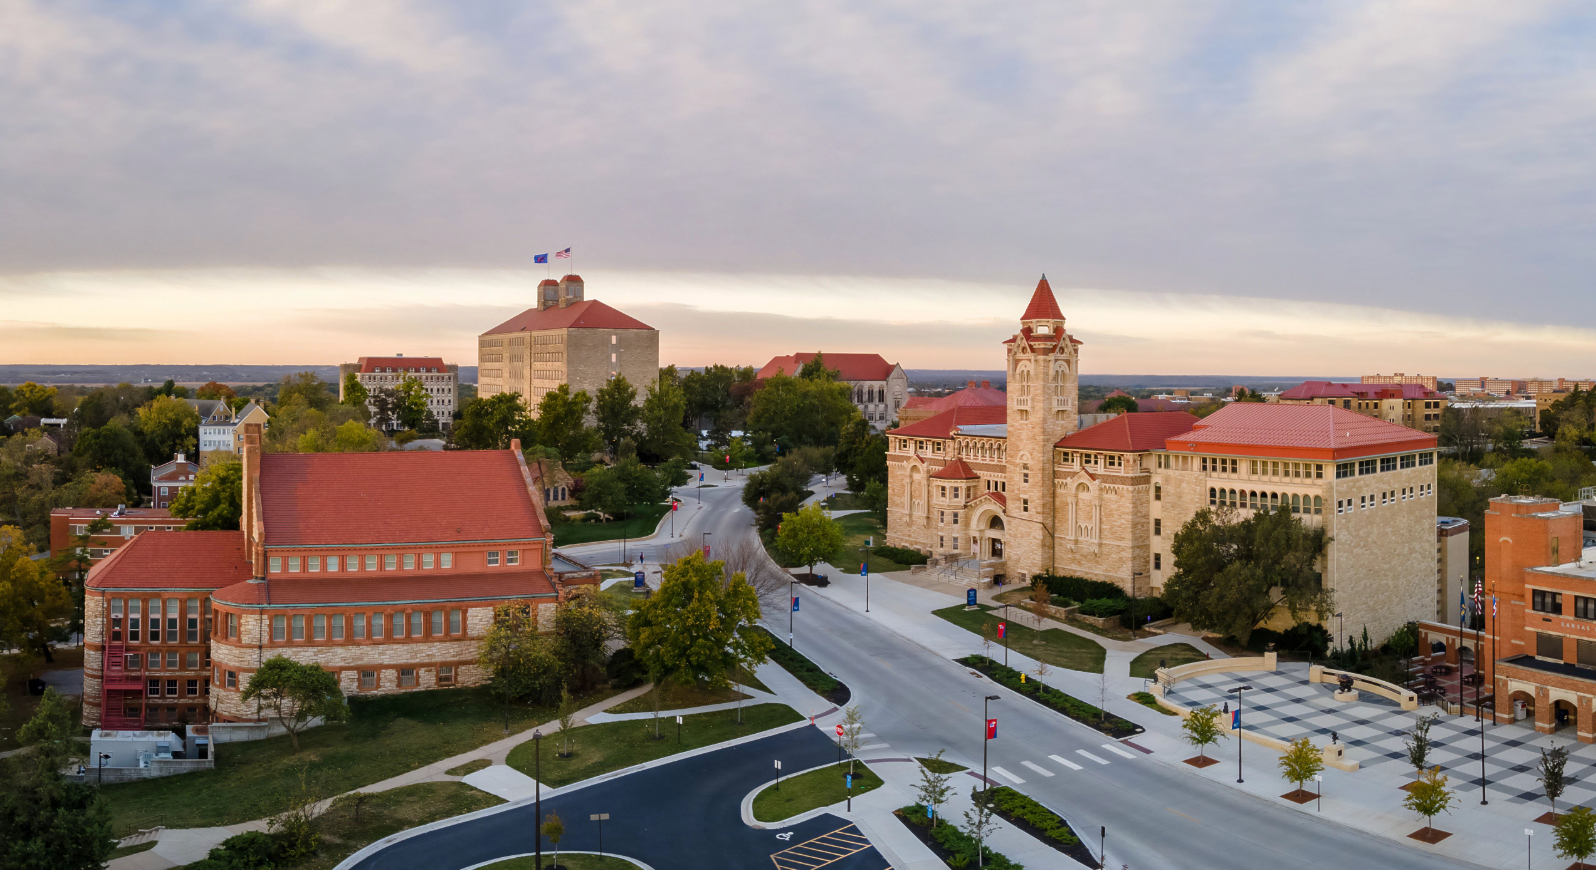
column 1564, row 714
column 988, row 533
column 1513, row 700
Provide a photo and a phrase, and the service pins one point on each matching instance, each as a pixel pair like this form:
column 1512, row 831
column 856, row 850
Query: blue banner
column 795, row 604
column 969, row 597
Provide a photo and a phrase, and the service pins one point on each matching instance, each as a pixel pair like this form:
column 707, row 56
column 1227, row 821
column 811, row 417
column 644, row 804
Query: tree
column 643, row 484
column 554, row 829
column 794, row 412
column 491, row 423
column 604, row 491
column 303, row 389
column 809, row 536
column 355, row 393
column 1429, row 797
column 411, row 407
column 1575, row 835
column 978, row 822
column 47, row 823
column 297, row 692
column 662, row 435
column 1404, row 642
column 1301, row 762
column 214, row 390
column 168, row 426
column 1041, row 600
column 562, row 423
column 30, row 399
column 584, row 624
column 567, row 718
column 1418, row 742
column 852, row 730
column 1551, row 766
column 51, row 732
column 615, row 409
column 1231, row 574
column 114, row 448
column 32, row 604
column 1118, row 405
column 933, row 790
column 699, row 627
column 520, row 662
column 1201, row 729
column 215, row 501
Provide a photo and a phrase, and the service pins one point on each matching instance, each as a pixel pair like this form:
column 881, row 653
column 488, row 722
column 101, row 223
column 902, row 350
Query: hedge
column 1080, row 588
column 807, row 672
column 1105, row 606
column 902, row 556
column 1048, row 696
column 1012, row 803
column 959, row 846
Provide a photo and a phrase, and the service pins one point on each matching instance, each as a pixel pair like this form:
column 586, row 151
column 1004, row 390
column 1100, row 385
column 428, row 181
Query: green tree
column 32, row 399
column 604, row 490
column 521, row 662
column 1417, row 742
column 410, row 405
column 33, row 605
column 215, row 501
column 214, row 390
column 562, row 423
column 615, row 408
column 643, row 484
column 51, row 733
column 1201, row 729
column 699, row 627
column 304, row 389
column 1301, row 762
column 491, row 423
column 584, row 625
column 355, row 393
column 47, row 823
column 554, row 829
column 1575, row 835
column 168, row 425
column 809, row 536
column 978, row 821
column 1551, row 766
column 933, row 789
column 663, row 436
column 862, row 455
column 1429, row 797
column 1231, row 574
column 1118, row 405
column 114, row 448
column 794, row 412
column 297, row 692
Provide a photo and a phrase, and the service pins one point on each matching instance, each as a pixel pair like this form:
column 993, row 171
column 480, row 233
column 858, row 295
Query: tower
column 1043, row 388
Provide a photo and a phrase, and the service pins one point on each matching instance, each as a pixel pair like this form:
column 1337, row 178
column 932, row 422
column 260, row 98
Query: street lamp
column 985, row 731
column 104, row 757
column 537, row 785
column 792, row 607
column 1237, row 692
column 1005, row 634
column 1133, row 617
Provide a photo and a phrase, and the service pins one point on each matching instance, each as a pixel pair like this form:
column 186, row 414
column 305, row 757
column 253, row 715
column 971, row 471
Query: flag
column 1477, row 597
column 864, row 569
column 541, row 258
column 795, row 604
column 1003, row 630
column 563, row 255
column 1235, row 718
column 1493, row 606
column 991, row 730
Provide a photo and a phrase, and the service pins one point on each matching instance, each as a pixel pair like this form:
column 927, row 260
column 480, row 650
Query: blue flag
column 795, row 604
column 1235, row 718
column 541, row 258
column 864, row 569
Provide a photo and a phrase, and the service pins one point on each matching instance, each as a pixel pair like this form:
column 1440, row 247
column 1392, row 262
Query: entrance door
column 997, row 548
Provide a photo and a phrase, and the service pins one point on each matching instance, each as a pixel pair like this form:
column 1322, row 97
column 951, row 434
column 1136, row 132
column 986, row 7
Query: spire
column 1043, row 306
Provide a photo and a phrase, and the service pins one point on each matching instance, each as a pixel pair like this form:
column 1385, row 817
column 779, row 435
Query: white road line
column 1067, row 763
column 1114, row 748
column 874, row 746
column 1038, row 768
column 866, row 734
column 1008, row 776
column 1090, row 755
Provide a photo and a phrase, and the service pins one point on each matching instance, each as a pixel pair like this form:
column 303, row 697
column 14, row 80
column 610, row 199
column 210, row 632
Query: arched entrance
column 994, row 537
column 1564, row 715
column 1521, row 705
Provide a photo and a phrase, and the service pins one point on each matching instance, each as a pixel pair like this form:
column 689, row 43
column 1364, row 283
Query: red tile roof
column 998, row 497
column 943, row 424
column 958, row 469
column 387, row 588
column 587, row 314
column 346, row 499
column 1333, row 389
column 1131, row 432
column 1043, row 306
column 849, row 366
column 576, row 278
column 1316, row 431
column 967, row 397
column 370, row 364
column 174, row 560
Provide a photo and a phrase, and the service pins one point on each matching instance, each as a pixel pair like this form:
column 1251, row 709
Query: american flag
column 1493, row 606
column 1477, row 607
column 563, row 255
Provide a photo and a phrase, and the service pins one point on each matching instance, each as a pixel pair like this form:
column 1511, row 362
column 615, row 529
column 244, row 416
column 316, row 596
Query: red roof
column 848, row 366
column 399, row 497
column 1333, row 389
column 130, row 515
column 998, row 497
column 587, row 314
column 1131, row 432
column 1090, row 406
column 967, row 397
column 370, row 364
column 174, row 560
column 1043, row 306
column 1317, row 431
column 955, row 470
column 943, row 424
column 385, row 588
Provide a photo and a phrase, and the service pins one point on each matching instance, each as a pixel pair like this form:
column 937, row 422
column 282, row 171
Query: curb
column 626, row 858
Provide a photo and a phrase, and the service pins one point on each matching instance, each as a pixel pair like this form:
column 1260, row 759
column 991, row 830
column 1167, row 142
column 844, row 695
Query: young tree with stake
column 554, row 829
column 1301, row 762
column 1041, row 598
column 1552, row 780
column 1575, row 835
column 933, row 790
column 978, row 823
column 1201, row 729
column 1430, row 797
column 1418, row 743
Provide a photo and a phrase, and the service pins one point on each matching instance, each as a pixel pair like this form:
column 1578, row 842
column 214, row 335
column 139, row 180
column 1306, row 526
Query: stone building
column 880, row 388
column 565, row 340
column 1412, row 405
column 380, row 567
column 441, row 380
column 1020, row 490
column 919, row 408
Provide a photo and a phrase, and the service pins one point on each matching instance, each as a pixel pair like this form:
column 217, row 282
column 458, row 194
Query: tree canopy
column 215, row 501
column 799, row 411
column 169, row 425
column 32, row 603
column 1118, row 405
column 297, row 692
column 615, row 409
column 700, row 626
column 562, row 423
column 662, row 435
column 809, row 536
column 491, row 423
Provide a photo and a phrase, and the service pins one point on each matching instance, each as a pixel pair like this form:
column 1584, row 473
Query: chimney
column 570, row 290
column 986, row 385
column 548, row 293
column 180, row 457
column 250, row 521
column 970, row 385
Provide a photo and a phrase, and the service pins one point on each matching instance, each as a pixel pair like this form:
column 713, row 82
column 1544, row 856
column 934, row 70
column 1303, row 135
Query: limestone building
column 880, row 388
column 565, row 340
column 1021, row 490
column 1412, row 405
column 919, row 408
column 441, row 380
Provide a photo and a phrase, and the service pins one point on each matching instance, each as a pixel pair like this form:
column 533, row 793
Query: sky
column 1211, row 187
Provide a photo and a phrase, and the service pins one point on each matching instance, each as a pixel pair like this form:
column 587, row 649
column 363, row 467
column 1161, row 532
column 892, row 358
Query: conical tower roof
column 1043, row 306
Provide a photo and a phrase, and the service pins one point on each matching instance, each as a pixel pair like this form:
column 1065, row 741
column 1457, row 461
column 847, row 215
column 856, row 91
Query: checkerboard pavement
column 1284, row 704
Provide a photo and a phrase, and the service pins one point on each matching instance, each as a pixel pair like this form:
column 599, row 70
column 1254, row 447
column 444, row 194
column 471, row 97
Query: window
column 437, row 623
column 512, row 557
column 1548, row 646
column 368, row 680
column 371, row 563
column 1409, row 460
column 1426, row 458
column 1367, row 466
column 1158, row 492
column 275, row 564
column 171, row 661
column 155, row 688
column 232, row 679
column 133, row 607
column 332, row 563
column 1344, row 469
column 313, row 563
column 293, row 564
column 191, row 662
column 445, row 560
column 376, row 625
column 1158, row 526
column 1025, row 505
column 133, row 661
column 357, row 626
column 1543, row 601
column 445, row 675
column 279, row 628
column 398, row 623
column 1584, row 608
column 1213, row 497
column 454, row 615
column 1318, row 505
column 299, row 628
column 338, row 626
column 193, row 688
column 1585, row 655
column 410, row 561
column 171, row 620
column 390, row 562
column 1388, row 463
column 352, row 563
column 417, row 623
column 407, row 678
column 171, row 688
column 426, row 560
column 1158, row 561
column 493, row 558
column 193, row 620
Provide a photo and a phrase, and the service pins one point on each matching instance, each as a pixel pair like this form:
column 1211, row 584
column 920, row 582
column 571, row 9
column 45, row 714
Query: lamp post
column 537, row 804
column 1318, row 782
column 1237, row 692
column 104, row 757
column 1005, row 634
column 985, row 731
column 1133, row 617
column 1343, row 632
column 792, row 607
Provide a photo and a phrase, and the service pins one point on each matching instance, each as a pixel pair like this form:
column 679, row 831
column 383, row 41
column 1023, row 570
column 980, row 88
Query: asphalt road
column 684, row 815
column 722, row 517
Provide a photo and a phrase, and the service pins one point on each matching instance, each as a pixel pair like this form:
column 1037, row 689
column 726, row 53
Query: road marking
column 1038, row 768
column 1067, row 763
column 1114, row 748
column 1090, row 755
column 1181, row 814
column 875, row 746
column 1008, row 776
column 865, row 734
column 823, row 850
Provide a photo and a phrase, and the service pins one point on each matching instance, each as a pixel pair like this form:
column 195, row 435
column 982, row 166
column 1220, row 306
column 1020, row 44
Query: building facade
column 565, row 340
column 221, row 431
column 1411, row 405
column 1429, row 382
column 441, row 380
column 1021, row 490
column 880, row 388
column 170, row 478
column 379, row 567
column 126, row 523
column 1451, row 567
column 1483, row 386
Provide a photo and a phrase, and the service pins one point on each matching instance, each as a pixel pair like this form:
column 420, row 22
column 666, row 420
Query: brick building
column 1024, row 492
column 565, row 340
column 440, row 379
column 917, row 408
column 126, row 523
column 169, row 478
column 880, row 388
column 380, row 567
column 1411, row 405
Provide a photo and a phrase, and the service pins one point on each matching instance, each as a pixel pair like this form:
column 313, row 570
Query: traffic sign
column 839, row 730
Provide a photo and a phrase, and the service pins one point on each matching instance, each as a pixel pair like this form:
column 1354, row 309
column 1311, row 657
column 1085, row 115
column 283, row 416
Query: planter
column 994, row 860
column 1053, row 699
column 1202, row 761
column 1076, row 850
column 1429, row 835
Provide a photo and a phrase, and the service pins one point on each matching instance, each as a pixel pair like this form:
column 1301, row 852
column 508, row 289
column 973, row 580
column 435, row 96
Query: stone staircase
column 969, row 573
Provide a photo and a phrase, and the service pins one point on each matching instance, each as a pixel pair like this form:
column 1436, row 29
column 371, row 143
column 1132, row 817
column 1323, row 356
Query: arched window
column 1252, row 499
column 1213, row 497
column 1274, row 501
column 1233, row 498
column 996, row 522
column 1296, row 504
column 1318, row 505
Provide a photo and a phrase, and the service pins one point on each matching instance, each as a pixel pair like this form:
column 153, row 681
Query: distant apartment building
column 221, row 428
column 1426, row 381
column 69, row 522
column 170, row 478
column 1487, row 386
column 565, row 340
column 1411, row 405
column 440, row 379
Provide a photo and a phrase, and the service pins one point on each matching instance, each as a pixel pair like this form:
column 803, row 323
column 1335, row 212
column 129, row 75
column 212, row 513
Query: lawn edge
column 806, row 815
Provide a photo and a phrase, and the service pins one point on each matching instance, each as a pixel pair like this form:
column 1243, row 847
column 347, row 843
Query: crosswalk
column 1043, row 771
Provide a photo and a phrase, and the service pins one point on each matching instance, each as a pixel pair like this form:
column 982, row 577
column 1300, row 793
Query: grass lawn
column 469, row 767
column 616, row 745
column 676, row 697
column 385, row 737
column 1147, row 700
column 847, row 501
column 1058, row 647
column 1171, row 654
column 938, row 765
column 812, row 790
column 578, row 861
column 1019, row 597
column 855, row 528
column 640, row 524
column 124, row 851
column 614, row 573
column 1115, row 633
column 389, row 812
column 17, row 706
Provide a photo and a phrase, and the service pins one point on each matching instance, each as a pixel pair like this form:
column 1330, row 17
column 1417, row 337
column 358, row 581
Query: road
column 722, row 518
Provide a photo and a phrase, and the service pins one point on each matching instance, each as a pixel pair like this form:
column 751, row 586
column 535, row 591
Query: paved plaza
column 1284, row 704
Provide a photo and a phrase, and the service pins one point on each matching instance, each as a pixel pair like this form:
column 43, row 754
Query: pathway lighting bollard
column 1319, row 797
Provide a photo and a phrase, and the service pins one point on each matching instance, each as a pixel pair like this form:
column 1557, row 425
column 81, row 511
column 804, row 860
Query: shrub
column 902, row 555
column 1104, row 606
column 252, row 850
column 1069, row 705
column 1013, row 804
column 1142, row 608
column 623, row 669
column 1079, row 588
column 961, row 847
column 805, row 670
column 555, row 515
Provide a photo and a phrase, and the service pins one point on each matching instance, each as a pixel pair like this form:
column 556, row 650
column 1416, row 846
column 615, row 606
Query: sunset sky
column 1211, row 187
